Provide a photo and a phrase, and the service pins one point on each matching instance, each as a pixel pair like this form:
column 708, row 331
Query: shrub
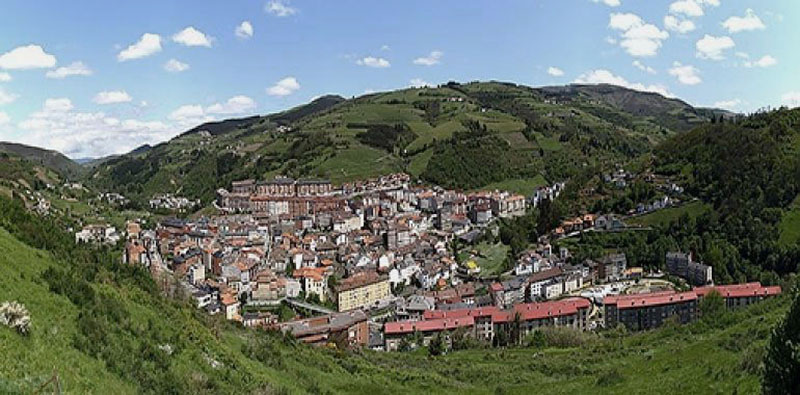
column 15, row 316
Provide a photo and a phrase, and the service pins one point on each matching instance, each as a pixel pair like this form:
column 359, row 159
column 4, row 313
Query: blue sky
column 92, row 78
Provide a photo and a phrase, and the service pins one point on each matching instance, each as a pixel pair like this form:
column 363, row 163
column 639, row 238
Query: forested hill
column 749, row 171
column 458, row 135
column 48, row 158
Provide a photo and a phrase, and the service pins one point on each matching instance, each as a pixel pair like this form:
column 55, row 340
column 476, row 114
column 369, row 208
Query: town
column 376, row 263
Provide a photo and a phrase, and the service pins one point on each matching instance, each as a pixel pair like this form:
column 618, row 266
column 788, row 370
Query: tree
column 782, row 362
column 712, row 304
column 437, row 345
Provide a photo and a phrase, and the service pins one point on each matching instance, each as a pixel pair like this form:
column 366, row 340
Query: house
column 346, row 328
column 611, row 267
column 314, row 281
column 230, row 306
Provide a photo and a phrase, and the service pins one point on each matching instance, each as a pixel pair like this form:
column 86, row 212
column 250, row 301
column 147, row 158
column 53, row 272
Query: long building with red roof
column 484, row 322
column 647, row 311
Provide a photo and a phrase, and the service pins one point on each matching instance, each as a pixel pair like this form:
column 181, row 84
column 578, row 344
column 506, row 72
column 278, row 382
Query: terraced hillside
column 516, row 135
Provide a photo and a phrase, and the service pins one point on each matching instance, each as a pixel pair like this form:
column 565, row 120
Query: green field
column 665, row 216
column 489, row 257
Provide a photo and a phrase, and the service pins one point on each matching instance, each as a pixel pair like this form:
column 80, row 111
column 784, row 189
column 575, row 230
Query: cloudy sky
column 93, row 78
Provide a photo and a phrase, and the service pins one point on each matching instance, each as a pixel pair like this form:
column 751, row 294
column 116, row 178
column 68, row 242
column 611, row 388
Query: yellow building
column 362, row 291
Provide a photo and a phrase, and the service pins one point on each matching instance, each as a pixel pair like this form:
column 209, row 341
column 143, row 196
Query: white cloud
column 62, row 104
column 602, row 76
column 686, row 7
column 555, row 71
column 791, row 99
column 750, row 21
column 743, row 55
column 27, row 57
column 418, row 83
column 686, row 74
column 4, row 118
column 234, row 105
column 676, row 24
column 765, row 61
column 112, row 97
column 641, row 66
column 75, row 68
column 728, row 104
column 191, row 37
column 385, row 47
column 284, row 87
column 5, row 77
column 710, row 47
column 433, row 58
column 638, row 38
column 85, row 134
column 7, row 98
column 279, row 8
column 175, row 66
column 610, row 3
column 189, row 114
column 147, row 45
column 371, row 61
column 244, row 30
column 611, row 40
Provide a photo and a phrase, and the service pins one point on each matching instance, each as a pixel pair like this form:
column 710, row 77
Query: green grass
column 665, row 216
column 357, row 162
column 27, row 362
column 419, row 162
column 524, row 186
column 789, row 226
column 490, row 257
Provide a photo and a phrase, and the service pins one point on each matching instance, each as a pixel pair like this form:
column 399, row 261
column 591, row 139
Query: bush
column 15, row 316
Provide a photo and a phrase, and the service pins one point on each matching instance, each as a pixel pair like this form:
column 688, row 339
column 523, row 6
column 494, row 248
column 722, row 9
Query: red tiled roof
column 476, row 312
column 739, row 290
column 557, row 308
column 402, row 327
column 648, row 300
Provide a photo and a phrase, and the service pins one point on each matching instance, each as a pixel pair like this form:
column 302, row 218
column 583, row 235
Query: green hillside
column 100, row 326
column 50, row 159
column 525, row 134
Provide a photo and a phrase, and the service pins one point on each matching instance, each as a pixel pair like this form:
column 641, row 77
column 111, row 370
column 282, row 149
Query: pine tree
column 782, row 362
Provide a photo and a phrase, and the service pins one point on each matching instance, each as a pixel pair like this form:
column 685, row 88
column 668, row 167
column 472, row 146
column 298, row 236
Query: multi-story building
column 484, row 323
column 648, row 311
column 682, row 265
column 739, row 295
column 362, row 290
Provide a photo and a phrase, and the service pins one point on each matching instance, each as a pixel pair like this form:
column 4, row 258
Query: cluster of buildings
column 380, row 251
column 682, row 265
column 172, row 202
column 648, row 311
column 97, row 234
column 344, row 248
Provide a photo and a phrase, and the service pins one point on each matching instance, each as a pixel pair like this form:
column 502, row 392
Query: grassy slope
column 28, row 362
column 720, row 359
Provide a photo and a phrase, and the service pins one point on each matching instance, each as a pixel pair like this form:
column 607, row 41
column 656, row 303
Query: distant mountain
column 459, row 135
column 48, row 158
